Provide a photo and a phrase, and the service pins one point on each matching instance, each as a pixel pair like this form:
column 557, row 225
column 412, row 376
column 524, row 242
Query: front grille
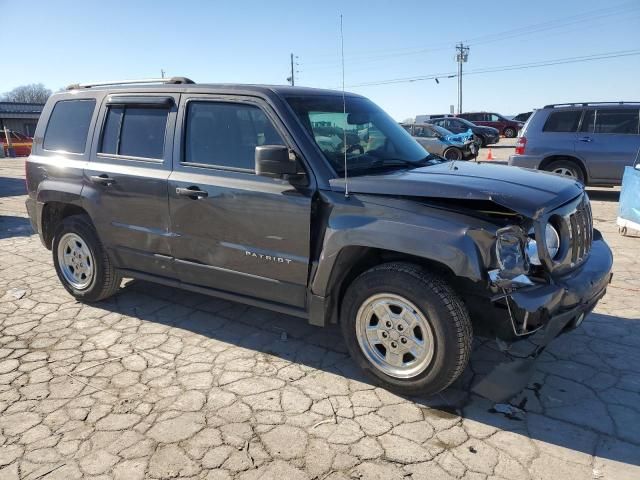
column 580, row 231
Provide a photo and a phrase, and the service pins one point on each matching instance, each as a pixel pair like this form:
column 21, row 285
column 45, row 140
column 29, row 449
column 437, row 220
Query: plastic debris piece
column 17, row 293
column 508, row 409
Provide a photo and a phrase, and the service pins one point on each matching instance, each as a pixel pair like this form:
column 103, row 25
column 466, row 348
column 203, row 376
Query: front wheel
column 407, row 328
column 453, row 153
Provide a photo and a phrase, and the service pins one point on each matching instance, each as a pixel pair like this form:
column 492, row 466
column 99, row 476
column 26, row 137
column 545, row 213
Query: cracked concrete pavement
column 158, row 383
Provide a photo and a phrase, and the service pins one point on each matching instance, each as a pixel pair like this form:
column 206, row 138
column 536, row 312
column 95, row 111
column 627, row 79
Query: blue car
column 442, row 142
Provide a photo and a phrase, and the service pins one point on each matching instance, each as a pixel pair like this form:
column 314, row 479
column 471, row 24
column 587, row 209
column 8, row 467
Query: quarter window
column 226, row 134
column 566, row 121
column 69, row 125
column 621, row 121
column 135, row 131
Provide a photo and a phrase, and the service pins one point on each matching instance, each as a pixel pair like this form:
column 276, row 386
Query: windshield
column 371, row 139
column 466, row 122
column 442, row 131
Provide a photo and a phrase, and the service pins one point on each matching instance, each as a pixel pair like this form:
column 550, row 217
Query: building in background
column 20, row 117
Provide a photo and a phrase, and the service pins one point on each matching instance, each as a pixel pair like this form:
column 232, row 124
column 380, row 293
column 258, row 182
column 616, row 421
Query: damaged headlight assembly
column 517, row 251
column 511, row 257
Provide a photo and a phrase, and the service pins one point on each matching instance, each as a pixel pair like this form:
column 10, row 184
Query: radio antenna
column 344, row 111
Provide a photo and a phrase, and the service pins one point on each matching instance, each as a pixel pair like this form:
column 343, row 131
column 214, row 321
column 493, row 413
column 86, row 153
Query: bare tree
column 34, row 93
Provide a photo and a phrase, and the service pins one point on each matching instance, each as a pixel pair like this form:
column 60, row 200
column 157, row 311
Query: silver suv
column 591, row 142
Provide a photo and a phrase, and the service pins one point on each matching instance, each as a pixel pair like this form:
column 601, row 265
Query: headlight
column 552, row 240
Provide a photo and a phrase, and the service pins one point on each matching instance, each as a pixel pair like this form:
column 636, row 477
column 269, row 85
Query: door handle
column 192, row 192
column 103, row 179
column 586, row 139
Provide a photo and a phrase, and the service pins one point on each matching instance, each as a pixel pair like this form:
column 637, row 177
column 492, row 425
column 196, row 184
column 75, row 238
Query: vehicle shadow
column 12, row 187
column 564, row 405
column 606, row 195
column 11, row 226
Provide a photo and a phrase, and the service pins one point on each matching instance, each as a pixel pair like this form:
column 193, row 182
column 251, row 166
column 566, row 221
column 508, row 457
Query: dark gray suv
column 317, row 205
column 591, row 142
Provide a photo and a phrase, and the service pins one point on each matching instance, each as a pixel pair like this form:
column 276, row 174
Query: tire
column 510, row 132
column 444, row 328
column 453, row 153
column 82, row 264
column 566, row 168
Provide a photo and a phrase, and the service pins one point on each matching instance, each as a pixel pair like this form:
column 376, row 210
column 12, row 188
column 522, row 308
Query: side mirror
column 274, row 161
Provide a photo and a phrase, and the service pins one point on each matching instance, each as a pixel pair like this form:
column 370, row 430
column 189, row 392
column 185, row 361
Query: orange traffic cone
column 490, row 155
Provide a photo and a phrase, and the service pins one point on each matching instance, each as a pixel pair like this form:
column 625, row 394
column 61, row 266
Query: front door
column 126, row 180
column 233, row 230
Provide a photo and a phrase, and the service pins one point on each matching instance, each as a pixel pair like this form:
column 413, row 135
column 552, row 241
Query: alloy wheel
column 76, row 261
column 394, row 335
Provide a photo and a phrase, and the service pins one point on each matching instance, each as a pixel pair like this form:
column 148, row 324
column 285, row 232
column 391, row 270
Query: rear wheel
column 406, row 328
column 453, row 153
column 510, row 132
column 566, row 168
column 82, row 264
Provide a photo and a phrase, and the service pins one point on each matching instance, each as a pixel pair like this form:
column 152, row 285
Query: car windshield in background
column 371, row 139
column 442, row 131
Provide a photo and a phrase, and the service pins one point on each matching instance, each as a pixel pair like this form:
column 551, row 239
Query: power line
column 535, row 28
column 504, row 68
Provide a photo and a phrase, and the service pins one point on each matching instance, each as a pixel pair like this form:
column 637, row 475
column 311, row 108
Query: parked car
column 485, row 135
column 224, row 190
column 506, row 127
column 522, row 117
column 442, row 142
column 591, row 142
column 21, row 143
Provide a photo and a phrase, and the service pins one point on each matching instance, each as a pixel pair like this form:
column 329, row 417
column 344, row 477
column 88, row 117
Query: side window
column 68, row 125
column 563, row 121
column 134, row 131
column 226, row 134
column 493, row 117
column 621, row 121
column 588, row 121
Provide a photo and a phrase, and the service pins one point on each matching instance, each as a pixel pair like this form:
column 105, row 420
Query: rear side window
column 69, row 125
column 226, row 134
column 566, row 121
column 621, row 121
column 134, row 131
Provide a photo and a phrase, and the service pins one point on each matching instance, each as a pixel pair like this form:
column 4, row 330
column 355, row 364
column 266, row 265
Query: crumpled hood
column 459, row 137
column 524, row 191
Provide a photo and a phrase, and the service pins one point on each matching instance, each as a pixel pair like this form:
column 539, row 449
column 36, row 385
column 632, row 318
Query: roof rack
column 586, row 104
column 172, row 80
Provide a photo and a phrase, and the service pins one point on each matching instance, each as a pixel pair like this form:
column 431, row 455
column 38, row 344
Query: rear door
column 237, row 232
column 126, row 179
column 609, row 140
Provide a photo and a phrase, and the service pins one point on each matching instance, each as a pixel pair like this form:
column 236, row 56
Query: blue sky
column 61, row 42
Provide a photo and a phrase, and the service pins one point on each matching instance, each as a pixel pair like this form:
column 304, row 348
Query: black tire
column 453, row 153
column 566, row 168
column 443, row 308
column 510, row 132
column 106, row 280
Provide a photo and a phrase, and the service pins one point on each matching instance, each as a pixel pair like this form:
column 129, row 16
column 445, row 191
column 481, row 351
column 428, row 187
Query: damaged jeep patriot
column 316, row 204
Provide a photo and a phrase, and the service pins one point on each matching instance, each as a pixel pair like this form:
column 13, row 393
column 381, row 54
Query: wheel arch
column 53, row 213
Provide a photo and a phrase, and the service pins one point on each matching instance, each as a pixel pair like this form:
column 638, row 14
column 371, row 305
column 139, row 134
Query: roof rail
column 586, row 104
column 172, row 80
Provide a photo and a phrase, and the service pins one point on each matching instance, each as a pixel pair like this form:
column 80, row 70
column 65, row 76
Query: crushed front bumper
column 566, row 302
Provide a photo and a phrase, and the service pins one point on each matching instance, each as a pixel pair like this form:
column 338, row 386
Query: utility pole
column 292, row 79
column 162, row 73
column 462, row 55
